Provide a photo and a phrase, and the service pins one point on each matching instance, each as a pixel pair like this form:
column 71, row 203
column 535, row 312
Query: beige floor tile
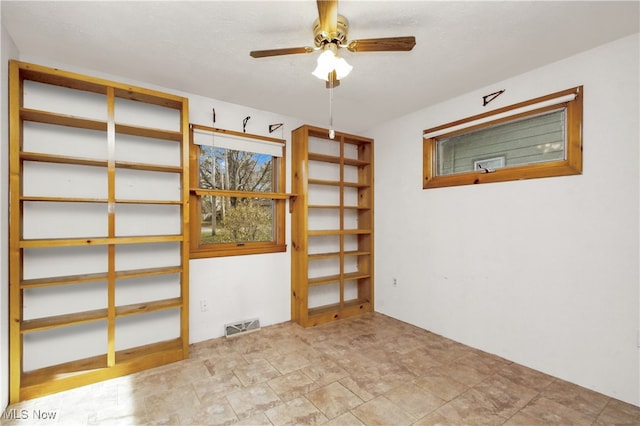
column 292, row 361
column 619, row 413
column 381, row 411
column 260, row 419
column 222, row 364
column 578, row 398
column 324, row 372
column 171, row 420
column 437, row 381
column 140, row 385
column 251, row 343
column 468, row 409
column 444, row 350
column 249, row 401
column 379, row 377
column 292, row 385
column 258, row 371
column 503, row 396
column 414, row 400
column 402, row 344
column 418, row 361
column 298, row 411
column 434, row 419
column 172, row 401
column 211, row 388
column 526, row 376
column 102, row 395
column 355, row 387
column 543, row 411
column 116, row 418
column 346, row 419
column 184, row 373
column 469, row 369
column 334, row 399
column 214, row 413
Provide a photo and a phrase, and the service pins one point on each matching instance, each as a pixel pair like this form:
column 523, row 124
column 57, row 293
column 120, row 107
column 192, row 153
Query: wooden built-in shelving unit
column 332, row 226
column 97, row 257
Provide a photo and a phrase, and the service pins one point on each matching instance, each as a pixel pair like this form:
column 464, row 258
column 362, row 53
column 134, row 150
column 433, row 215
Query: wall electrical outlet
column 395, row 282
column 204, row 306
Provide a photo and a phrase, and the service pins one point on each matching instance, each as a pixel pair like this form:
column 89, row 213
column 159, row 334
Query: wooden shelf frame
column 304, row 236
column 89, row 278
column 46, row 117
column 47, row 380
column 42, row 381
column 60, row 159
column 33, row 198
column 65, row 320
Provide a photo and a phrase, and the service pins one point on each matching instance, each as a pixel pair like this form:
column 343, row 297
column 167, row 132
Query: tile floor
column 370, row 370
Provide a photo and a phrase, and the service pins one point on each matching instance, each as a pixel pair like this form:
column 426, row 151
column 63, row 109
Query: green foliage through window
column 238, row 200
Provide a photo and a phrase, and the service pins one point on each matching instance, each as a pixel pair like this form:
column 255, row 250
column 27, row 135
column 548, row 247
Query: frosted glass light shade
column 327, row 62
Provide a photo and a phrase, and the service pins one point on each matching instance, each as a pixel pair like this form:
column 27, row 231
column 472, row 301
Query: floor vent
column 242, row 327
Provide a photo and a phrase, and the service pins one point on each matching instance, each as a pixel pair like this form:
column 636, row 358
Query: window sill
column 231, row 250
column 559, row 168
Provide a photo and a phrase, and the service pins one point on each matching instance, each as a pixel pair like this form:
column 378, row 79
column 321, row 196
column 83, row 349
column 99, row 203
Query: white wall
column 240, row 287
column 543, row 272
column 7, row 50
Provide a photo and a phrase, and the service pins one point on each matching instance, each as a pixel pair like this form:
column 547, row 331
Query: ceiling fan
column 330, row 35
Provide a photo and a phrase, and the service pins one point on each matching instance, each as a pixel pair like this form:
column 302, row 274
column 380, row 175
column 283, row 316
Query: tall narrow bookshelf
column 98, row 233
column 332, row 226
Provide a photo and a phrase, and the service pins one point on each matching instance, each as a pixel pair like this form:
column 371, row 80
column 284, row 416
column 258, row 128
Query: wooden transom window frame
column 279, row 197
column 570, row 99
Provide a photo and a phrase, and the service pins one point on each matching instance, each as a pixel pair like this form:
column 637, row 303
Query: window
column 237, row 193
column 538, row 138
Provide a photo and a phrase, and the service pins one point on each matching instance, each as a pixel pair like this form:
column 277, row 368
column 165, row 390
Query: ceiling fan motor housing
column 321, row 38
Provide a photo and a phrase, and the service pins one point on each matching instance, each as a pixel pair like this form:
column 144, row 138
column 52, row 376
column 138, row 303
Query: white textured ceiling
column 203, row 47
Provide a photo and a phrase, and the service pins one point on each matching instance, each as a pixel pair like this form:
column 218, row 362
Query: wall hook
column 214, row 115
column 244, row 124
column 491, row 96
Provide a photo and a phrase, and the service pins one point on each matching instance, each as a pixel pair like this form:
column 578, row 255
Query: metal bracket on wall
column 491, row 96
column 274, row 127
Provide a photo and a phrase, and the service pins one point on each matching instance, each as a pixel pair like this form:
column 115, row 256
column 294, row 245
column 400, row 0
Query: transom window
column 237, row 193
column 537, row 138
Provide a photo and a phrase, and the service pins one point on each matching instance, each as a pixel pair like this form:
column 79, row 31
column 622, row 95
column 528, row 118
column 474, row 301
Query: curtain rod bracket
column 274, row 127
column 491, row 96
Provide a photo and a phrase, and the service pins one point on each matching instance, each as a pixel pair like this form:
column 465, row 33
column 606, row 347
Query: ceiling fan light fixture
column 329, row 61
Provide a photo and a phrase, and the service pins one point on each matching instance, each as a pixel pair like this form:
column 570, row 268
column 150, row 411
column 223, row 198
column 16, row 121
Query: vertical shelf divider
column 111, row 228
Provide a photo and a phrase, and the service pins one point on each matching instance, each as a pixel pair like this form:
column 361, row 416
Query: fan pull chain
column 332, row 133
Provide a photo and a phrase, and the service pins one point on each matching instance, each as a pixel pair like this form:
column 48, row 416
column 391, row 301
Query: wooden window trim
column 278, row 245
column 572, row 165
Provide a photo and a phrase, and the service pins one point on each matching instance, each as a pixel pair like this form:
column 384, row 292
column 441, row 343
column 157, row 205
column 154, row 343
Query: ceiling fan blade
column 388, row 44
column 328, row 16
column 278, row 52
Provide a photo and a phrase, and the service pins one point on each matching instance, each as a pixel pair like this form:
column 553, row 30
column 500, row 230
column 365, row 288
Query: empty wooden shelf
column 98, row 229
column 332, row 226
